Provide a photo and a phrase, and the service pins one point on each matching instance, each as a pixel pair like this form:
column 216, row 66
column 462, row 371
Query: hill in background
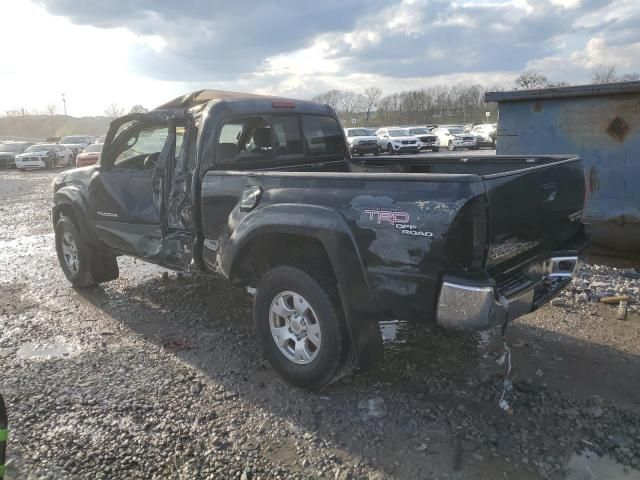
column 39, row 127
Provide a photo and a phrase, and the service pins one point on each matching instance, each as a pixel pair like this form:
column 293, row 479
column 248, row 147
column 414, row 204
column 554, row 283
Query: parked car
column 89, row 156
column 331, row 244
column 100, row 139
column 361, row 141
column 485, row 134
column 76, row 143
column 8, row 152
column 46, row 155
column 397, row 140
column 428, row 141
column 455, row 137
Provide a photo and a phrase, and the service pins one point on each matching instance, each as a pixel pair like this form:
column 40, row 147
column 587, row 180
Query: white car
column 76, row 143
column 455, row 137
column 397, row 140
column 361, row 141
column 47, row 155
column 485, row 134
column 428, row 141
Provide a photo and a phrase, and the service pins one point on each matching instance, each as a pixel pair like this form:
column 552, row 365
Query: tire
column 435, row 149
column 306, row 367
column 389, row 149
column 376, row 153
column 82, row 265
column 48, row 164
column 450, row 147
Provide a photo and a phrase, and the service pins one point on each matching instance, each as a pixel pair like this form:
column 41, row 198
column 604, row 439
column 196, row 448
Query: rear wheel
column 82, row 265
column 299, row 323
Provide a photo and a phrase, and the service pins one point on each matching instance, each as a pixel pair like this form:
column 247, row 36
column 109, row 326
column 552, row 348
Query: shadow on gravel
column 435, row 407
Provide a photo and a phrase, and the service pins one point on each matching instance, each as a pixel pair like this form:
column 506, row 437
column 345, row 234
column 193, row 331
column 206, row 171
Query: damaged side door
column 126, row 188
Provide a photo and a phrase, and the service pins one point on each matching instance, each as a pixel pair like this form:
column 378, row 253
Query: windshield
column 39, row 148
column 94, row 148
column 11, row 147
column 357, row 132
column 418, row 131
column 399, row 132
column 456, row 131
column 73, row 140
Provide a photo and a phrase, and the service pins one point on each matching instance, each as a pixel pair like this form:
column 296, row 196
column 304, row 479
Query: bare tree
column 531, row 80
column 331, row 98
column 604, row 74
column 52, row 108
column 114, row 111
column 371, row 97
column 350, row 102
column 138, row 109
column 630, row 77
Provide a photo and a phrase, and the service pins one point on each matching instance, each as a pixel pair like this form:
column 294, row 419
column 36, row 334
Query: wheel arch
column 302, row 233
column 68, row 201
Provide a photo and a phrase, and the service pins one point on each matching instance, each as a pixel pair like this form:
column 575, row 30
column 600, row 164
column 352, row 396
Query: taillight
column 466, row 242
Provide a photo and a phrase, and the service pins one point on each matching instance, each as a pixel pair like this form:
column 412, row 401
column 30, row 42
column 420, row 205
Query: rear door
column 126, row 188
column 178, row 228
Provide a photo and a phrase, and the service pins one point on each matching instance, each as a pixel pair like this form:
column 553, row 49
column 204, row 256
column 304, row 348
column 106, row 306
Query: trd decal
column 400, row 220
column 388, row 216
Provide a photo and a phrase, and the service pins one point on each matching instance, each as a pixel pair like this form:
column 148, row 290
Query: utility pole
column 64, row 104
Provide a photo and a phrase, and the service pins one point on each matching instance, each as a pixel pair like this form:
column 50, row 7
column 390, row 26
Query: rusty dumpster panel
column 605, row 131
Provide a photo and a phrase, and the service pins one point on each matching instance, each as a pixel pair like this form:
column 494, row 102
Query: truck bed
column 412, row 220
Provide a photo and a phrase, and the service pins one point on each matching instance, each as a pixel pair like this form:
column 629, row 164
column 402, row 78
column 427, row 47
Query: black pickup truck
column 263, row 191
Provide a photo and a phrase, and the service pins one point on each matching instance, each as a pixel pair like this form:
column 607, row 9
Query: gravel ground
column 157, row 375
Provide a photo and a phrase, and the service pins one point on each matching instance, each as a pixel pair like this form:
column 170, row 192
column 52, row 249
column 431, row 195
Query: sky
column 99, row 52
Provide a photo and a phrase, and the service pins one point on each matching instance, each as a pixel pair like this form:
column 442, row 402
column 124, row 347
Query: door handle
column 250, row 198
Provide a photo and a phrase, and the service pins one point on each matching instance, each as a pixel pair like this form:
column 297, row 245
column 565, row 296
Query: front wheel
column 389, row 149
column 451, row 147
column 435, row 149
column 82, row 265
column 299, row 324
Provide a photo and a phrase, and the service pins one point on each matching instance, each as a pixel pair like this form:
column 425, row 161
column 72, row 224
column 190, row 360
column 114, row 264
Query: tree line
column 439, row 104
column 460, row 103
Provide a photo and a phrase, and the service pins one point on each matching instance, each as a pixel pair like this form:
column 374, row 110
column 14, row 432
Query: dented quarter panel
column 604, row 130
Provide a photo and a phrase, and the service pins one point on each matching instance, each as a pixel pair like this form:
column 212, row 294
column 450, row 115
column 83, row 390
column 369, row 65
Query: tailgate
column 533, row 211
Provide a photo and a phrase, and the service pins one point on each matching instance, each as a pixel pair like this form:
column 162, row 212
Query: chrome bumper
column 473, row 306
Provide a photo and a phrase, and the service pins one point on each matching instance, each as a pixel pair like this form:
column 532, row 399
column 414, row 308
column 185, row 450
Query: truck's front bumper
column 470, row 305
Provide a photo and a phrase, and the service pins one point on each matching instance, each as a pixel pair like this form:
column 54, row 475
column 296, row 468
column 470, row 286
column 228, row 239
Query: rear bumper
column 466, row 304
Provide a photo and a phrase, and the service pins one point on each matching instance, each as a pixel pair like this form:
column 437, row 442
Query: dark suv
column 8, row 152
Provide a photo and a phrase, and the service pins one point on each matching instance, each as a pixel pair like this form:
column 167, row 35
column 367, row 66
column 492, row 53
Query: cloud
column 220, row 40
column 299, row 47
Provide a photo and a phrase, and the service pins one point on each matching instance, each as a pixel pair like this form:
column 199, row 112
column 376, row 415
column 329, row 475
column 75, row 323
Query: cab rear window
column 322, row 135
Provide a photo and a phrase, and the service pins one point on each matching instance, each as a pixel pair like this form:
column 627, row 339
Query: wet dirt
column 94, row 392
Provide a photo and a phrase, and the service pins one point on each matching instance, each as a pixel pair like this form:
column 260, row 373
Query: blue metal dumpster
column 601, row 123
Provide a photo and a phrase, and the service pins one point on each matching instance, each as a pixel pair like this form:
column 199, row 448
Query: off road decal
column 399, row 219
